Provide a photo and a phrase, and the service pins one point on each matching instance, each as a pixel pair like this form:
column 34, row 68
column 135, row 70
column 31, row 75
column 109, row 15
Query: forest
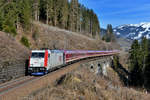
column 70, row 15
column 139, row 63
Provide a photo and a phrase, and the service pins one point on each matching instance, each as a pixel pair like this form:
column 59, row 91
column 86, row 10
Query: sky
column 118, row 12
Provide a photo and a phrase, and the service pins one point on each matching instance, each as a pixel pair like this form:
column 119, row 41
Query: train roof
column 73, row 51
column 86, row 51
column 57, row 51
column 52, row 51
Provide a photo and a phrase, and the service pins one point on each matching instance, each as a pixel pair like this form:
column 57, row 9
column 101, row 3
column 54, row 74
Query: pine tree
column 48, row 10
column 63, row 13
column 147, row 72
column 10, row 17
column 36, row 9
column 135, row 64
column 55, row 12
column 134, row 54
column 80, row 17
column 144, row 57
column 109, row 35
column 144, row 49
column 73, row 16
column 25, row 15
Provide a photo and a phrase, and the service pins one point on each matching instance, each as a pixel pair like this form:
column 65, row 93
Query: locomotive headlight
column 41, row 68
column 30, row 68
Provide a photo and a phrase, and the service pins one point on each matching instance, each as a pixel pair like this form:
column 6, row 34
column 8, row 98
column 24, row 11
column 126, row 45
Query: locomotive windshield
column 37, row 55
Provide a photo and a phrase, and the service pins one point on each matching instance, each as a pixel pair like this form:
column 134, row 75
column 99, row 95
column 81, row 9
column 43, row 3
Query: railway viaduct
column 100, row 65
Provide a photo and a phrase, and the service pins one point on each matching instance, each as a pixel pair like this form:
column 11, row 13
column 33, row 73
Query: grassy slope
column 10, row 50
column 55, row 38
column 83, row 84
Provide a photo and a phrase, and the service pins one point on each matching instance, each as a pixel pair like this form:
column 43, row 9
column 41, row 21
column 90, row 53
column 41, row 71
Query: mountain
column 133, row 31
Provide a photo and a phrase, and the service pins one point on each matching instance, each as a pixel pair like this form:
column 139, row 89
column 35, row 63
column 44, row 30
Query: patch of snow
column 132, row 33
column 115, row 30
column 118, row 33
column 138, row 37
column 146, row 26
column 148, row 36
column 141, row 32
column 120, row 27
column 135, row 25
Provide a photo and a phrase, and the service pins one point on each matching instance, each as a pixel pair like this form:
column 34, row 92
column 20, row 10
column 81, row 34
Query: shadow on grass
column 26, row 67
column 122, row 73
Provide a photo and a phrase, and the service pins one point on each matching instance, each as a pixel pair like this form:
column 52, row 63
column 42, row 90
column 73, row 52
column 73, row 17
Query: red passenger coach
column 72, row 55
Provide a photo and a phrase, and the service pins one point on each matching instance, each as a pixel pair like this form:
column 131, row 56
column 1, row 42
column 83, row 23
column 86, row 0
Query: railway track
column 8, row 86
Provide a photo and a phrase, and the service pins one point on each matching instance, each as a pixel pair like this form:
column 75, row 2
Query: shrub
column 10, row 29
column 25, row 41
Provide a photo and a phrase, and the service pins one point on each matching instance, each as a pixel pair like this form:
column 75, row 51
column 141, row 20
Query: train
column 42, row 62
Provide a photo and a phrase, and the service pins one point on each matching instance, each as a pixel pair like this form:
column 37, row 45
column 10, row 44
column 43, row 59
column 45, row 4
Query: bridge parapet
column 99, row 66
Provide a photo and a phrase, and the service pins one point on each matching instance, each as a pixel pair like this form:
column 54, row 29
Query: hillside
column 13, row 56
column 11, row 51
column 55, row 38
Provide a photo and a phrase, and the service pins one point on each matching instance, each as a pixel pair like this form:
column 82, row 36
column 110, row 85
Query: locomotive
column 43, row 61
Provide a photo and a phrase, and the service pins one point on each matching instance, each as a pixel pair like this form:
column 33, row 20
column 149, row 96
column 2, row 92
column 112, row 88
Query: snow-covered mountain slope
column 133, row 31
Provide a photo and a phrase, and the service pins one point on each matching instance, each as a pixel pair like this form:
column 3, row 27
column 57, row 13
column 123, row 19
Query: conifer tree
column 63, row 13
column 135, row 64
column 55, row 12
column 147, row 72
column 35, row 9
column 144, row 53
column 144, row 57
column 10, row 16
column 109, row 36
column 48, row 10
column 25, row 15
column 73, row 16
